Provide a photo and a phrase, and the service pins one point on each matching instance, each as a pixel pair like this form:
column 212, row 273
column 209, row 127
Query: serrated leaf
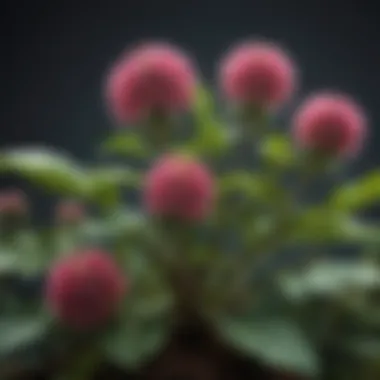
column 46, row 168
column 125, row 144
column 357, row 194
column 278, row 343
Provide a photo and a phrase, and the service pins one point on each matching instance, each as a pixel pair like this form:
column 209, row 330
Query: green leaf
column 18, row 332
column 322, row 224
column 366, row 347
column 316, row 225
column 359, row 232
column 278, row 343
column 136, row 341
column 152, row 305
column 95, row 231
column 58, row 173
column 105, row 184
column 125, row 144
column 357, row 194
column 277, row 150
column 8, row 261
column 46, row 168
column 331, row 278
column 211, row 137
column 114, row 176
column 32, row 259
column 66, row 241
column 251, row 185
column 124, row 225
column 23, row 255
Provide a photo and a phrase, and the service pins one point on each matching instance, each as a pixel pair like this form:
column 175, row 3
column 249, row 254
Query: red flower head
column 69, row 212
column 84, row 290
column 179, row 187
column 330, row 123
column 259, row 74
column 153, row 77
column 13, row 203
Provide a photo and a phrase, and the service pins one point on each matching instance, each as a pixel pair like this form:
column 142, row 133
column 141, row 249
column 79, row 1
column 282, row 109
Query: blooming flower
column 259, row 74
column 84, row 290
column 331, row 123
column 180, row 187
column 153, row 77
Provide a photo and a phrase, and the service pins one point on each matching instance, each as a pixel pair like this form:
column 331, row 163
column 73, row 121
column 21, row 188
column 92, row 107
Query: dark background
column 55, row 55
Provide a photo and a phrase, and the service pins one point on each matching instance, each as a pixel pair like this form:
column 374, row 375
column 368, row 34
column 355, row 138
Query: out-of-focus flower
column 180, row 187
column 330, row 123
column 69, row 212
column 155, row 77
column 258, row 74
column 85, row 289
column 13, row 203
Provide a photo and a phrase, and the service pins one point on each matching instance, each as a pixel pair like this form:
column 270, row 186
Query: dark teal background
column 54, row 56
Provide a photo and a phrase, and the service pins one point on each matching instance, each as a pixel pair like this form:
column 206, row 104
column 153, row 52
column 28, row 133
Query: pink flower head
column 179, row 187
column 84, row 290
column 331, row 123
column 69, row 212
column 152, row 77
column 13, row 202
column 259, row 74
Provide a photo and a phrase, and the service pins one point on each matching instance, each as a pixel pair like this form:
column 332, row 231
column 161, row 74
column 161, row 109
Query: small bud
column 14, row 209
column 69, row 212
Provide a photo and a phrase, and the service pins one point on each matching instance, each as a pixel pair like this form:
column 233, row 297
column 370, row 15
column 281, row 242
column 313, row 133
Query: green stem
column 285, row 210
column 171, row 251
column 82, row 366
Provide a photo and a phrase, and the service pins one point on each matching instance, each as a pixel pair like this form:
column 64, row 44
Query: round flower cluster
column 258, row 73
column 179, row 187
column 85, row 289
column 152, row 78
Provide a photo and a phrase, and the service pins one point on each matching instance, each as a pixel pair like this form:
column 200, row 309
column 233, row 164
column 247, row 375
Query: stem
column 82, row 365
column 284, row 225
column 171, row 253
